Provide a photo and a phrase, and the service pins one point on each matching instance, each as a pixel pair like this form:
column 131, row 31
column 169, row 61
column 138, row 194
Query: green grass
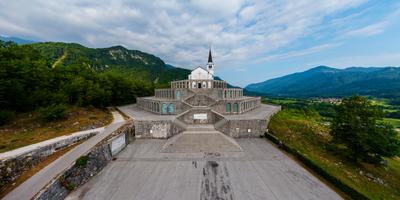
column 394, row 122
column 28, row 128
column 308, row 134
column 385, row 105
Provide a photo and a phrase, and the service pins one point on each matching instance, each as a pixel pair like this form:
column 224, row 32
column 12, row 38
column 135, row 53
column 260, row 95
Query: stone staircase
column 194, row 128
column 200, row 100
column 200, row 138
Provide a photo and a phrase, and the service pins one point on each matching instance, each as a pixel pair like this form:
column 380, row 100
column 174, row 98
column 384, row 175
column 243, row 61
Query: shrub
column 6, row 116
column 81, row 161
column 53, row 112
column 63, row 181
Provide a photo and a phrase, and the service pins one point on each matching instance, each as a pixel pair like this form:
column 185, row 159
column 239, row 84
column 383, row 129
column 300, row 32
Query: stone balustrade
column 198, row 84
column 165, row 93
column 149, row 105
column 248, row 105
column 232, row 93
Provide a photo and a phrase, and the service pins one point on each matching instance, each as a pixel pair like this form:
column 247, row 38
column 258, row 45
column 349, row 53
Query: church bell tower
column 210, row 64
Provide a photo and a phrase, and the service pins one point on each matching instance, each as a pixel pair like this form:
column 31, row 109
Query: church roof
column 209, row 56
column 200, row 68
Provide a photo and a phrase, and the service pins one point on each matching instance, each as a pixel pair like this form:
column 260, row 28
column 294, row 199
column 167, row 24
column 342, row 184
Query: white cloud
column 291, row 54
column 180, row 32
column 370, row 30
column 248, row 12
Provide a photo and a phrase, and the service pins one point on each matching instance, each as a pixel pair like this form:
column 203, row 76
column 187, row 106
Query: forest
column 29, row 81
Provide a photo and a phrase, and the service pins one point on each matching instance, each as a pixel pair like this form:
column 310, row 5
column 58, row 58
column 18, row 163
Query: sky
column 251, row 40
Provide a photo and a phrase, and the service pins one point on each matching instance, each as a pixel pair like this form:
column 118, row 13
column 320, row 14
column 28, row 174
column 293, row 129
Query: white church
column 200, row 73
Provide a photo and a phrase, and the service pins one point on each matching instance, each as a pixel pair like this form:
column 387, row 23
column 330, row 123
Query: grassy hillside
column 28, row 128
column 132, row 63
column 307, row 132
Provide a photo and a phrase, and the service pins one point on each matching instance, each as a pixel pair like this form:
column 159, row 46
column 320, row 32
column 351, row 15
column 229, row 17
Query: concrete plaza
column 259, row 171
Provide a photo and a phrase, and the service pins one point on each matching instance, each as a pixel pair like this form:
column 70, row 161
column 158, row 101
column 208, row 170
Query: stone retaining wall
column 244, row 128
column 86, row 166
column 200, row 100
column 12, row 167
column 156, row 129
column 189, row 117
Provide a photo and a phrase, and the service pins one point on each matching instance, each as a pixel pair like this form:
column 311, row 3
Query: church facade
column 202, row 101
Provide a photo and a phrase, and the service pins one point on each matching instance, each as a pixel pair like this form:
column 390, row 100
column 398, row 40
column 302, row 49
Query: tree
column 358, row 126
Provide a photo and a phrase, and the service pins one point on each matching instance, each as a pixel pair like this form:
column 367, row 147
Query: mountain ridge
column 135, row 63
column 324, row 81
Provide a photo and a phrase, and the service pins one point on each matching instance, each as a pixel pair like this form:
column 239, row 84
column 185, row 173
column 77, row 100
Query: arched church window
column 228, row 107
column 178, row 94
column 235, row 108
column 164, row 108
column 171, row 108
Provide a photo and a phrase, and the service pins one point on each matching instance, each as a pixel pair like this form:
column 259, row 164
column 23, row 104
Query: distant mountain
column 134, row 63
column 323, row 81
column 227, row 84
column 16, row 40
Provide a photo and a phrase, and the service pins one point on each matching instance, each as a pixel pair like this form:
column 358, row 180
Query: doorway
column 198, row 85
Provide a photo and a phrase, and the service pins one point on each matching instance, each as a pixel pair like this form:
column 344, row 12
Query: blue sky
column 252, row 40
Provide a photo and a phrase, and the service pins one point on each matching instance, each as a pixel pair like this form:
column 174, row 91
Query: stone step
column 201, row 142
column 203, row 127
column 200, row 132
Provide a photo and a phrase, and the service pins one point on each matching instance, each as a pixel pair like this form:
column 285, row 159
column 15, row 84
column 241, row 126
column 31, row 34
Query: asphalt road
column 260, row 171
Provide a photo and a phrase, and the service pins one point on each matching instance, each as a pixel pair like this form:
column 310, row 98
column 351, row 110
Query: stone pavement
column 260, row 171
column 34, row 184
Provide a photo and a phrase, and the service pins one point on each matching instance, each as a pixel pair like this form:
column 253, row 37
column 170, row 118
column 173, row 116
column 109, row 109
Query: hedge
column 351, row 192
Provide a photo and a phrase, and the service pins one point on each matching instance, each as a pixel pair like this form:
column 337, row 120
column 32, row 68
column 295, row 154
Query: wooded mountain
column 323, row 81
column 133, row 63
column 52, row 75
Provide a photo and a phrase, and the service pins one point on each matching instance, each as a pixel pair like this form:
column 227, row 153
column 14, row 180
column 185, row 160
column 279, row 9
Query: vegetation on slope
column 324, row 81
column 359, row 132
column 28, row 128
column 132, row 63
column 28, row 82
column 305, row 130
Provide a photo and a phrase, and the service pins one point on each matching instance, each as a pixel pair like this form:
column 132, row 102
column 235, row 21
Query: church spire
column 209, row 56
column 210, row 64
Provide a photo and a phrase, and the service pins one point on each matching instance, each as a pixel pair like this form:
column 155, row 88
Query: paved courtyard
column 259, row 171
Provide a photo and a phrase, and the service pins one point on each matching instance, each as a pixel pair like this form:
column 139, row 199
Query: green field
column 308, row 132
column 394, row 122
